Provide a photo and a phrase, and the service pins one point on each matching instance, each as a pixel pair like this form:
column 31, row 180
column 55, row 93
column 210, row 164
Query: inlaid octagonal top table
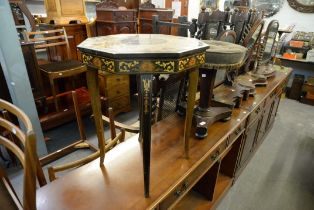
column 144, row 55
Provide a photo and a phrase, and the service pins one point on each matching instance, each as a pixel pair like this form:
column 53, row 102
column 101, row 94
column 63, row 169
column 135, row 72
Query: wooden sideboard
column 176, row 182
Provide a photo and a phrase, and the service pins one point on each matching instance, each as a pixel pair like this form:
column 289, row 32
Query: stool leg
column 53, row 90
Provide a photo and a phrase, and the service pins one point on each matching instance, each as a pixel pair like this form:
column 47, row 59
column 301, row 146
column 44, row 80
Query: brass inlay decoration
column 127, row 66
column 138, row 66
column 191, row 61
column 167, row 66
column 87, row 58
column 146, row 86
column 108, row 65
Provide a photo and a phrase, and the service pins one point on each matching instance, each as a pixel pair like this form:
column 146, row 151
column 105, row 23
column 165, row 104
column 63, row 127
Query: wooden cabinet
column 111, row 20
column 115, row 88
column 145, row 19
column 64, row 11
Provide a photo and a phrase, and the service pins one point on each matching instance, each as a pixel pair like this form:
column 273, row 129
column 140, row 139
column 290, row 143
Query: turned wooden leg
column 93, row 89
column 193, row 79
column 145, row 129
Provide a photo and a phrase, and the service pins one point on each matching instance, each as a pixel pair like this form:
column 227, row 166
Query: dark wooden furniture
column 214, row 162
column 220, row 55
column 23, row 147
column 34, row 74
column 60, row 69
column 144, row 55
column 112, row 20
column 211, row 24
column 145, row 15
column 4, row 93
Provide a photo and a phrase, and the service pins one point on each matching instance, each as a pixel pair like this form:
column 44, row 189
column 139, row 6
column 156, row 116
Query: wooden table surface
column 119, row 184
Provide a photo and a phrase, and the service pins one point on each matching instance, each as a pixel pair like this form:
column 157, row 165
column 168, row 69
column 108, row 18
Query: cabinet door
column 273, row 112
column 248, row 141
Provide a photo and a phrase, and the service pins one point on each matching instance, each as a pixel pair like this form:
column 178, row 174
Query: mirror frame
column 300, row 7
column 265, row 39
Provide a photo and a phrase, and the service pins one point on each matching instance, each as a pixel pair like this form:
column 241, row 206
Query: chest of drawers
column 115, row 21
column 115, row 88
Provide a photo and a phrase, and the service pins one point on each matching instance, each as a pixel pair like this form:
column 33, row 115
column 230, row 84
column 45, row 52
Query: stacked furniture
column 200, row 181
column 112, row 20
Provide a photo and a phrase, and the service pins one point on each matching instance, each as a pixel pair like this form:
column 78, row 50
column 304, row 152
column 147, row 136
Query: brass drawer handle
column 215, row 156
column 237, row 131
column 227, row 142
column 183, row 188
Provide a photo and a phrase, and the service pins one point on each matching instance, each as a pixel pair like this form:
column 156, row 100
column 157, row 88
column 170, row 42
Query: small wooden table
column 144, row 55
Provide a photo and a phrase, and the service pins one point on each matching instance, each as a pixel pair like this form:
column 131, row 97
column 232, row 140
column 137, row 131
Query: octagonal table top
column 143, row 53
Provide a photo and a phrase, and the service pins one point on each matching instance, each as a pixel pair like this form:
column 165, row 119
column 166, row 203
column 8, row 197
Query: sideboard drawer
column 255, row 114
column 235, row 134
column 178, row 193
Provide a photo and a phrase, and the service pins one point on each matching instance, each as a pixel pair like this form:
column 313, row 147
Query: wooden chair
column 239, row 19
column 25, row 152
column 211, row 25
column 83, row 144
column 60, row 69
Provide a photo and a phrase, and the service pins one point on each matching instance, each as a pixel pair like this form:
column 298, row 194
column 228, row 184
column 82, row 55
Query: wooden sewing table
column 143, row 55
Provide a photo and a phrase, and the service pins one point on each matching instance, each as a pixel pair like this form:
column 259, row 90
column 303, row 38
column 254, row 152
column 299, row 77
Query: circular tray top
column 223, row 54
column 145, row 46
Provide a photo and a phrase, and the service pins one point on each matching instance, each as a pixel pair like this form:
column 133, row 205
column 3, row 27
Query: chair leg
column 53, row 90
column 78, row 116
column 51, row 174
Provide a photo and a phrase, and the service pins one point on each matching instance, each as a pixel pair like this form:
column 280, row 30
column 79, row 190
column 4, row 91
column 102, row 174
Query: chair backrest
column 211, row 25
column 25, row 151
column 49, row 39
column 227, row 36
column 251, row 41
column 181, row 27
column 239, row 19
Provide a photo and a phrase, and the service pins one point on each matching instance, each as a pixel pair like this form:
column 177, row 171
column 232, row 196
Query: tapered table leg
column 145, row 129
column 193, row 80
column 93, row 89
